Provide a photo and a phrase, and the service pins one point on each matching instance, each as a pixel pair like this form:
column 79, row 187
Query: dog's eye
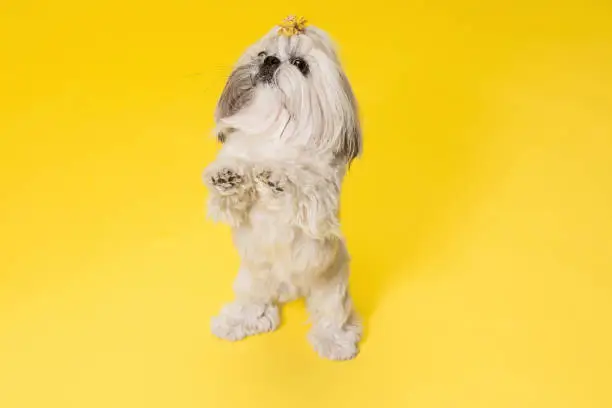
column 262, row 54
column 300, row 64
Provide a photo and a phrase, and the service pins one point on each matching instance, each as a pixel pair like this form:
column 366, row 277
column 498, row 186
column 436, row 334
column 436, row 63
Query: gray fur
column 237, row 93
column 351, row 143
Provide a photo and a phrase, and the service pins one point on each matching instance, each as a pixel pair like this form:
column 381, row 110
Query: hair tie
column 292, row 25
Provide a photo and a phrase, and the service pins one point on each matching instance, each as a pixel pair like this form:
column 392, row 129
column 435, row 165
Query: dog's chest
column 270, row 244
column 267, row 236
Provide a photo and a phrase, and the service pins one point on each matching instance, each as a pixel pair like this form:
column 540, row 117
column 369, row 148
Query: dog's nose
column 271, row 61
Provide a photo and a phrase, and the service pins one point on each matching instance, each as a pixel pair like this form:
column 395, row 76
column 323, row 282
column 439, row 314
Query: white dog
column 289, row 126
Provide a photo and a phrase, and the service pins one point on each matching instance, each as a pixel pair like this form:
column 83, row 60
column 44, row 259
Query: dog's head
column 290, row 84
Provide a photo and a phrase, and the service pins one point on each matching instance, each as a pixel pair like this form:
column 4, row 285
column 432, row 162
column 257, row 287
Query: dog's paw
column 336, row 343
column 225, row 180
column 271, row 180
column 237, row 321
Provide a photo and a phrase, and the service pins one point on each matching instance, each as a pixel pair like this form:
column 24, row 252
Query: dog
column 289, row 126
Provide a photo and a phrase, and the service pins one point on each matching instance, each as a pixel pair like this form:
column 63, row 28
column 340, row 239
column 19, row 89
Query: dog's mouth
column 265, row 77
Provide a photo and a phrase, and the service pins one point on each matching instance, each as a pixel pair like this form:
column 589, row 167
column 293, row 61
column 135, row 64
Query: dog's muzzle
column 268, row 68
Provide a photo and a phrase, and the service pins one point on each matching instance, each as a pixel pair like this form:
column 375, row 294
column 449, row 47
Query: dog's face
column 295, row 84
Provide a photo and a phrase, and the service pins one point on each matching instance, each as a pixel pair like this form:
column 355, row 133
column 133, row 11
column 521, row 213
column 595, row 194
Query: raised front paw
column 269, row 180
column 225, row 180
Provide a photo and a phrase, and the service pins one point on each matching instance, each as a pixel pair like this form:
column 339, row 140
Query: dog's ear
column 350, row 143
column 237, row 93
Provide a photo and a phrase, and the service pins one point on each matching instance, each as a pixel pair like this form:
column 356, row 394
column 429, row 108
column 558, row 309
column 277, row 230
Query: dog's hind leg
column 252, row 312
column 336, row 329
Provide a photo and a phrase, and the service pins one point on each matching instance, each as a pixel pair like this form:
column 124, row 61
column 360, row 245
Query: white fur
column 291, row 136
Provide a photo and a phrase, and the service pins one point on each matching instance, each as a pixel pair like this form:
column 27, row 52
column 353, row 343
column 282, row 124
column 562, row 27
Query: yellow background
column 479, row 219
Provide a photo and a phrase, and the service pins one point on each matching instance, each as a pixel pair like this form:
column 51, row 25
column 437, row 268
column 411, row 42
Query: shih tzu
column 289, row 125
